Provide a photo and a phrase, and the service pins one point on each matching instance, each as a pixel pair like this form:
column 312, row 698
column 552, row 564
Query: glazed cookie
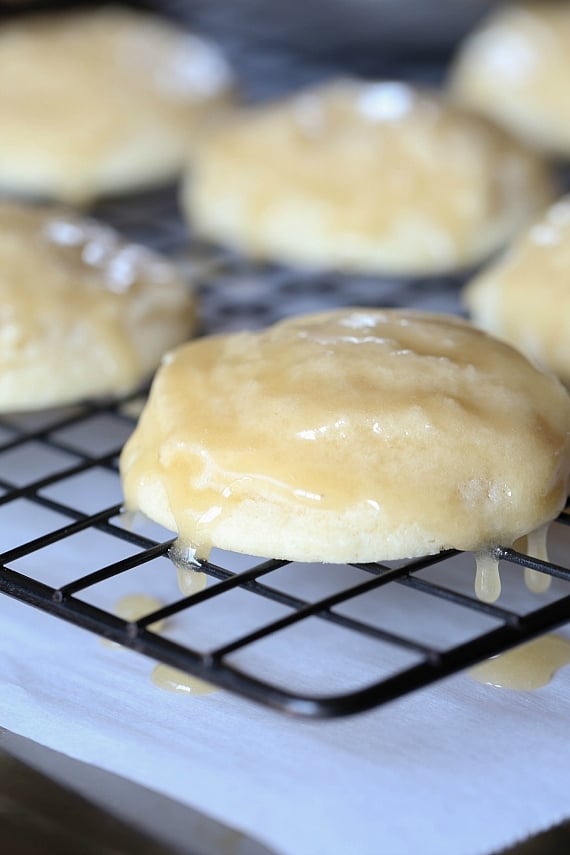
column 82, row 313
column 516, row 69
column 525, row 296
column 369, row 177
column 351, row 436
column 101, row 101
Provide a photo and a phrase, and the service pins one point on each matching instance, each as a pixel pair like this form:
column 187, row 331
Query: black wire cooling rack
column 311, row 640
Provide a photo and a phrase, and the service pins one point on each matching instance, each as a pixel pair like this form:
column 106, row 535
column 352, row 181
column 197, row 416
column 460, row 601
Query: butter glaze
column 134, row 606
column 175, row 680
column 131, row 607
column 527, row 667
column 487, row 577
column 355, row 435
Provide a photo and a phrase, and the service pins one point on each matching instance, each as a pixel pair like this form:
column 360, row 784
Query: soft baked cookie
column 354, row 435
column 366, row 177
column 101, row 101
column 82, row 313
column 525, row 296
column 516, row 69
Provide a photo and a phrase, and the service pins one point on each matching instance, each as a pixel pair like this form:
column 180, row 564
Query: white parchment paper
column 458, row 768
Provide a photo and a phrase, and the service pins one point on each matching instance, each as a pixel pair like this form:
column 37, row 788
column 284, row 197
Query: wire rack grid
column 312, row 640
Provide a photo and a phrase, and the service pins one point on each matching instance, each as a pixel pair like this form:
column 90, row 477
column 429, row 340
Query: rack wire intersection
column 391, row 614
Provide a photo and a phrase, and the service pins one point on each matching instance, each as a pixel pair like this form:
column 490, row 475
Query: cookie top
column 101, row 101
column 365, row 177
column 515, row 68
column 82, row 312
column 354, row 435
column 525, row 296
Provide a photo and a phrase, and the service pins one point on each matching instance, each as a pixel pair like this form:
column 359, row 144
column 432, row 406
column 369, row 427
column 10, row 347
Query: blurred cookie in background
column 515, row 68
column 101, row 101
column 83, row 314
column 525, row 297
column 364, row 177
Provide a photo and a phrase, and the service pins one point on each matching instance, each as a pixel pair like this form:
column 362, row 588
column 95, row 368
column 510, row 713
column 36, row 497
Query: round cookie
column 101, row 101
column 525, row 296
column 515, row 69
column 350, row 436
column 82, row 313
column 369, row 177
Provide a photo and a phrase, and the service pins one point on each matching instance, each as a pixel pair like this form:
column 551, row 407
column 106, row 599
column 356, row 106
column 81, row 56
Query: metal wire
column 235, row 294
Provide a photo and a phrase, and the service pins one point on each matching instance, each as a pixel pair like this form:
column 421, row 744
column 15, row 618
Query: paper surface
column 456, row 769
